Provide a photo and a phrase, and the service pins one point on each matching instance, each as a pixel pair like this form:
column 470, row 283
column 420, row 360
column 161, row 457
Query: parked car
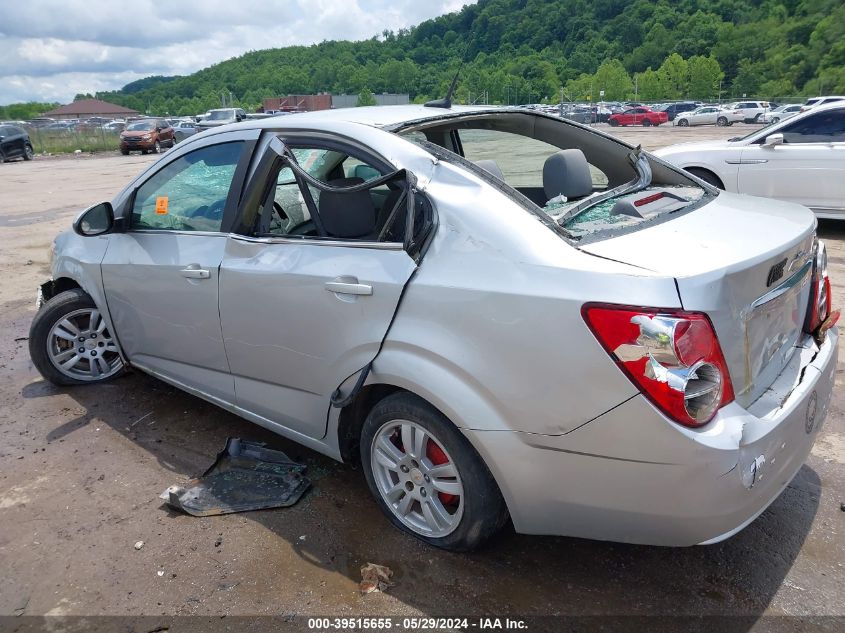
column 751, row 111
column 183, row 130
column 708, row 115
column 674, row 109
column 114, row 126
column 220, row 116
column 578, row 114
column 780, row 113
column 638, row 116
column 476, row 335
column 147, row 135
column 801, row 159
column 817, row 101
column 14, row 143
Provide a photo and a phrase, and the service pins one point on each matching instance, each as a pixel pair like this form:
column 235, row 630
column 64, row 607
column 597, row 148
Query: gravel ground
column 81, row 470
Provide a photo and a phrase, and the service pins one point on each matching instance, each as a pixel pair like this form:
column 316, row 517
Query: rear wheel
column 125, row 152
column 722, row 121
column 707, row 176
column 646, row 123
column 614, row 123
column 157, row 148
column 69, row 342
column 427, row 477
column 683, row 123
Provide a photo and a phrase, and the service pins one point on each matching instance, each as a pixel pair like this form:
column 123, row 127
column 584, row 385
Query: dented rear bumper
column 631, row 475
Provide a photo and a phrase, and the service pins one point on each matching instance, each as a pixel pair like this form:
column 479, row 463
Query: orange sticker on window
column 161, row 205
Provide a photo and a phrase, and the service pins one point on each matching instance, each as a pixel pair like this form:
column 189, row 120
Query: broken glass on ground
column 246, row 476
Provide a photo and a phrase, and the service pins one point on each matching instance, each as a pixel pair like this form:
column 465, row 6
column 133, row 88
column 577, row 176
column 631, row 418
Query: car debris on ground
column 245, row 476
column 375, row 578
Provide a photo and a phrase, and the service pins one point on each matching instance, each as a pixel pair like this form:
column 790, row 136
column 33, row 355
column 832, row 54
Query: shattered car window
column 625, row 210
column 318, row 163
column 188, row 194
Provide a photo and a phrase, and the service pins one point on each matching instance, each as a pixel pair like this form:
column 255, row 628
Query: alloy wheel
column 417, row 478
column 81, row 347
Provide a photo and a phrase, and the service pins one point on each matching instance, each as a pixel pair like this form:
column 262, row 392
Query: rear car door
column 807, row 168
column 161, row 275
column 11, row 141
column 305, row 302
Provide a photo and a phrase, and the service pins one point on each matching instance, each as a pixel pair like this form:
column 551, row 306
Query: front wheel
column 426, row 476
column 683, row 123
column 157, row 148
column 721, row 121
column 614, row 123
column 69, row 342
column 28, row 154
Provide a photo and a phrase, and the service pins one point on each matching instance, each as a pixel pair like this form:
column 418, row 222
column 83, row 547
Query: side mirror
column 772, row 140
column 96, row 220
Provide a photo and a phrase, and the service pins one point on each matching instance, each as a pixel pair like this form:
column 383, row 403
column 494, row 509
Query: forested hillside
column 525, row 50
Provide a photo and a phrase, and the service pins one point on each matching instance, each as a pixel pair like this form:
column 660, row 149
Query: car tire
column 683, row 123
column 722, row 121
column 157, row 148
column 461, row 512
column 707, row 176
column 613, row 122
column 646, row 123
column 73, row 312
column 776, row 120
column 125, row 152
column 28, row 154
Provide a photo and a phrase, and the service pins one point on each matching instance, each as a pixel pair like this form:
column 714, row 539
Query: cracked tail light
column 820, row 295
column 671, row 356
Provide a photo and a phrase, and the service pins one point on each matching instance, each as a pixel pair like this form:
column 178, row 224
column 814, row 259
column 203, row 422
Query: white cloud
column 54, row 49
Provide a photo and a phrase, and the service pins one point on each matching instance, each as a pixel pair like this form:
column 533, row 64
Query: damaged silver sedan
column 504, row 316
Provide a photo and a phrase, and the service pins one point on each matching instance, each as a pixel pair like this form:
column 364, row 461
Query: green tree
column 674, row 76
column 614, row 80
column 704, row 77
column 366, row 98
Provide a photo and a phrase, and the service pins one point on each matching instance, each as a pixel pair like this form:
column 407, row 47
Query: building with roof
column 86, row 108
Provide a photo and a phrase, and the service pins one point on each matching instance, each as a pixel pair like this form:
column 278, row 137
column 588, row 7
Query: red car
column 638, row 116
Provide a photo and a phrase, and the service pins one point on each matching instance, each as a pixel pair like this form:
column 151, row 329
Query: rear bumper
column 633, row 476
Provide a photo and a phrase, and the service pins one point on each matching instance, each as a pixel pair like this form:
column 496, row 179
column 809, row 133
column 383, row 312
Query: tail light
column 820, row 295
column 671, row 356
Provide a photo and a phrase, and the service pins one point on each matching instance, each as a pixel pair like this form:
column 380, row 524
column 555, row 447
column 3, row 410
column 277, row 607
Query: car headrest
column 347, row 215
column 490, row 167
column 567, row 173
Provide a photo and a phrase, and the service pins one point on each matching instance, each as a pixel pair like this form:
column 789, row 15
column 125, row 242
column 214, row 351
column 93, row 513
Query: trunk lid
column 747, row 263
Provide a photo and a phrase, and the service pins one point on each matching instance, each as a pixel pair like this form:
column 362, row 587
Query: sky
column 55, row 49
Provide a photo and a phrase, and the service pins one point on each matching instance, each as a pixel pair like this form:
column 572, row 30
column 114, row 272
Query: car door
column 11, row 142
column 707, row 116
column 807, row 168
column 300, row 312
column 161, row 274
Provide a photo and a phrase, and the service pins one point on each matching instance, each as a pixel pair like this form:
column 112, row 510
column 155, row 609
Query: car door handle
column 195, row 273
column 343, row 288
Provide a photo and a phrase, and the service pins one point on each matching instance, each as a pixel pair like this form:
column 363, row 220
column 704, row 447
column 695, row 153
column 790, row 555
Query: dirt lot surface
column 81, row 470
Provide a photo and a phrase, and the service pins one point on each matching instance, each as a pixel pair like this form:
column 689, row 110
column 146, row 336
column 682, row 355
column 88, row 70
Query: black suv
column 674, row 109
column 14, row 143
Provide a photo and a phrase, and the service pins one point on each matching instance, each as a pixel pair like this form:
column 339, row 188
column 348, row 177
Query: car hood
column 695, row 146
column 135, row 133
